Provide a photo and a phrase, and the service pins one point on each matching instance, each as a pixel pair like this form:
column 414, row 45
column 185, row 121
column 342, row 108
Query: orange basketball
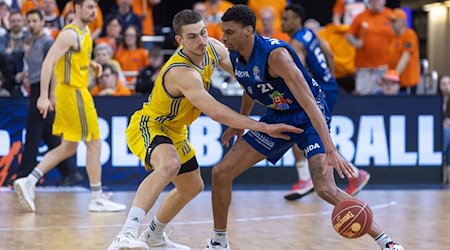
column 352, row 218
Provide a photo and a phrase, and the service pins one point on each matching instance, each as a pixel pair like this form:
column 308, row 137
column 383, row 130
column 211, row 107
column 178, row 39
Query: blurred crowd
column 367, row 41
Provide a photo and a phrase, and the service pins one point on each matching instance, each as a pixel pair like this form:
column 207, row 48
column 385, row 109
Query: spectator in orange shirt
column 28, row 5
column 213, row 29
column 144, row 9
column 95, row 26
column 103, row 54
column 370, row 34
column 215, row 9
column 113, row 31
column 267, row 20
column 109, row 83
column 131, row 56
column 344, row 11
column 278, row 7
column 404, row 52
column 53, row 22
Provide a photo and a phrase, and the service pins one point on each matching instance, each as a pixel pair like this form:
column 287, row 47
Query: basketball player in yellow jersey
column 76, row 117
column 157, row 133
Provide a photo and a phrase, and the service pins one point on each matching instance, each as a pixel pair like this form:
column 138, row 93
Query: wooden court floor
column 418, row 219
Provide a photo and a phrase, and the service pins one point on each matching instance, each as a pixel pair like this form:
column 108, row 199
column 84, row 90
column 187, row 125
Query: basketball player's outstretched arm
column 189, row 84
column 66, row 39
column 281, row 64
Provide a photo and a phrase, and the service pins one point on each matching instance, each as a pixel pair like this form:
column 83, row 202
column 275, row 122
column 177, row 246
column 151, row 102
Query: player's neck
column 246, row 52
column 197, row 59
column 80, row 24
column 292, row 33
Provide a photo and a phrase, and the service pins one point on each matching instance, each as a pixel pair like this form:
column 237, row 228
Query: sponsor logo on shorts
column 311, row 147
column 262, row 139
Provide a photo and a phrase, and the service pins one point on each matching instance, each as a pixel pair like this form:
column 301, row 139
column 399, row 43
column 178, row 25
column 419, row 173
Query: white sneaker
column 127, row 240
column 102, row 204
column 163, row 243
column 25, row 193
column 216, row 246
column 393, row 246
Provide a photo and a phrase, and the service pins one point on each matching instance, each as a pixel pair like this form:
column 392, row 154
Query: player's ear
column 179, row 39
column 248, row 30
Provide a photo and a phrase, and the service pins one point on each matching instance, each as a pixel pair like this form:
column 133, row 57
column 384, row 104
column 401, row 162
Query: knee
column 69, row 148
column 169, row 168
column 221, row 173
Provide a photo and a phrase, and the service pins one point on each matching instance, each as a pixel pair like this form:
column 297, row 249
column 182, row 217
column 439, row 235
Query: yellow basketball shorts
column 141, row 133
column 76, row 117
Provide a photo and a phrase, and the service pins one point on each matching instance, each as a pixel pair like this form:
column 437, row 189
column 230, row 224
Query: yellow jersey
column 178, row 112
column 73, row 67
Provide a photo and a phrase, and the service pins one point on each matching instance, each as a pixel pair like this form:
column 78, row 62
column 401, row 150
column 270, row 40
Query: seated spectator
column 95, row 26
column 147, row 76
column 53, row 22
column 125, row 11
column 213, row 29
column 131, row 56
column 103, row 54
column 390, row 83
column 12, row 50
column 345, row 11
column 268, row 28
column 5, row 11
column 109, row 83
column 277, row 7
column 113, row 30
column 68, row 18
column 144, row 9
column 215, row 9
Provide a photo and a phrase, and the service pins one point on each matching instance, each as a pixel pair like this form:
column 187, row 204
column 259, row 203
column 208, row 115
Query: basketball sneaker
column 393, row 246
column 356, row 184
column 25, row 192
column 164, row 243
column 127, row 240
column 216, row 246
column 103, row 204
column 300, row 189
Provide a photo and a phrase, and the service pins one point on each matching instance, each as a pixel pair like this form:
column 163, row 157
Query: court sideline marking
column 275, row 217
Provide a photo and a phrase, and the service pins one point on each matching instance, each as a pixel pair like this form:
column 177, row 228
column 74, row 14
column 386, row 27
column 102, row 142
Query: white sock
column 34, row 176
column 356, row 170
column 382, row 240
column 156, row 228
column 303, row 170
column 96, row 190
column 135, row 217
column 220, row 236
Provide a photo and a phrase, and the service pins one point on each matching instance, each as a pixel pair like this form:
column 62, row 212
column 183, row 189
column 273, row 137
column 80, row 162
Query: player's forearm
column 46, row 76
column 320, row 125
column 231, row 118
column 246, row 105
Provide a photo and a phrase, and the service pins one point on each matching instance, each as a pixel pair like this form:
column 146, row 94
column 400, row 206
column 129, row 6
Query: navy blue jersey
column 315, row 59
column 260, row 86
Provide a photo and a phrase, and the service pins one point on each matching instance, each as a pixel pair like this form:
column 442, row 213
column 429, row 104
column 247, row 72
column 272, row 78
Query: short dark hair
column 111, row 67
column 35, row 11
column 240, row 14
column 80, row 2
column 183, row 18
column 298, row 10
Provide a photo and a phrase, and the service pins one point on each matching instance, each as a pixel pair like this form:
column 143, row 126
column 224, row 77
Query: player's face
column 35, row 24
column 289, row 21
column 194, row 38
column 88, row 11
column 234, row 34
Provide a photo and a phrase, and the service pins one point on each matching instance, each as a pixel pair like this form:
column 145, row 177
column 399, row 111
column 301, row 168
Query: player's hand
column 44, row 106
column 343, row 168
column 229, row 133
column 278, row 130
column 97, row 68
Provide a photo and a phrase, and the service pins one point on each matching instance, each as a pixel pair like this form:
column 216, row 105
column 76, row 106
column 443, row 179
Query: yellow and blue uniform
column 167, row 116
column 76, row 117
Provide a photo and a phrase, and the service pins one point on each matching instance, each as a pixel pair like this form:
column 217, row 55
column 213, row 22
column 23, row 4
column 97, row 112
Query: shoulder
column 279, row 55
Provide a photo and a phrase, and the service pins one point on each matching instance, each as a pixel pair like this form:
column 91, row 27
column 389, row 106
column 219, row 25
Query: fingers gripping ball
column 352, row 218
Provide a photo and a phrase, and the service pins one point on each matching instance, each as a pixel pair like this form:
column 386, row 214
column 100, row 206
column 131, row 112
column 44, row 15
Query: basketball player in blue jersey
column 272, row 74
column 318, row 59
